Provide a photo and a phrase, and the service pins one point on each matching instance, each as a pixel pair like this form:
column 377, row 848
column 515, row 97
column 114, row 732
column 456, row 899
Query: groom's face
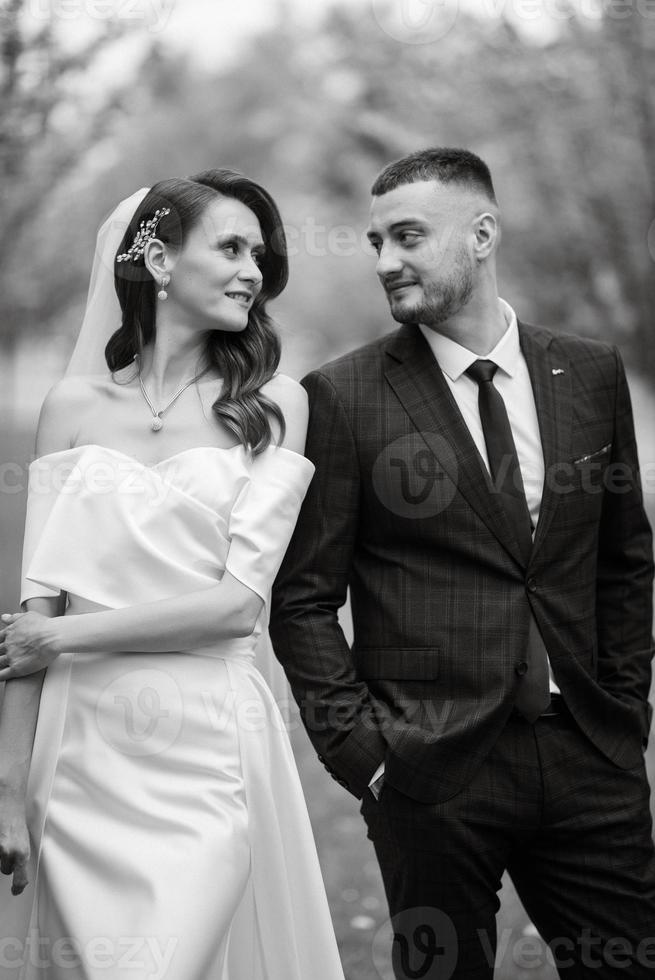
column 423, row 236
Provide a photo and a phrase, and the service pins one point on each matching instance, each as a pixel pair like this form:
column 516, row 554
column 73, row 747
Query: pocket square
column 592, row 456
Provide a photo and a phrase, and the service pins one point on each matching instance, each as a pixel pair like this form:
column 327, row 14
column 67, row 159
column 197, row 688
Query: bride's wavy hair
column 246, row 359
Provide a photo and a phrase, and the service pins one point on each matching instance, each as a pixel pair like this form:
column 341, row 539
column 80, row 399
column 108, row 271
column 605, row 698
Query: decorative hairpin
column 146, row 233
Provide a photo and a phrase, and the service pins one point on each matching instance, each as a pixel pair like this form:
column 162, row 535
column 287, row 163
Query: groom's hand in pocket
column 25, row 644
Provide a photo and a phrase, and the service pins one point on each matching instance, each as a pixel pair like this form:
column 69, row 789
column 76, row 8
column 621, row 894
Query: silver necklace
column 157, row 420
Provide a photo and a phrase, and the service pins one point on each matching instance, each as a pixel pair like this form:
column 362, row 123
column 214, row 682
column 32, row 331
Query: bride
column 151, row 819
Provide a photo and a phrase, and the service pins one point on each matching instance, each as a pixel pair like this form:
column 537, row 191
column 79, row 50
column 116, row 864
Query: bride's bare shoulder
column 289, row 394
column 64, row 407
column 76, row 392
column 285, row 390
column 292, row 399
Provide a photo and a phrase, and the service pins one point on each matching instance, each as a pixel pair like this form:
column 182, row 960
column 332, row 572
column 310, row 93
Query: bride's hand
column 26, row 644
column 14, row 839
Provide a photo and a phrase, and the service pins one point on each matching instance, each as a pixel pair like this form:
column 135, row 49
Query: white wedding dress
column 169, row 831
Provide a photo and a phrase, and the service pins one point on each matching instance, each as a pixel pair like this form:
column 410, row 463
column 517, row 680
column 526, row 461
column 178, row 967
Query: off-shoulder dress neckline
column 167, row 459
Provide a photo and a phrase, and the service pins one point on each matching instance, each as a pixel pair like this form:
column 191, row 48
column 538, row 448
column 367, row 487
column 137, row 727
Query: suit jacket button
column 521, row 668
column 532, row 584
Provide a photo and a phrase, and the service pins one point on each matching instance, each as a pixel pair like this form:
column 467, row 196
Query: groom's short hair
column 448, row 165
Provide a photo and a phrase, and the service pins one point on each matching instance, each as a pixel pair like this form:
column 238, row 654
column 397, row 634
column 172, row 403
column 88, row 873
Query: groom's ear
column 486, row 229
column 157, row 258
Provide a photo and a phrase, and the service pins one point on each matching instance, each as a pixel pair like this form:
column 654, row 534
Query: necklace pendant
column 157, row 420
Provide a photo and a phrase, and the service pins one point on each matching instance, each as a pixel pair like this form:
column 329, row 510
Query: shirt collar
column 454, row 360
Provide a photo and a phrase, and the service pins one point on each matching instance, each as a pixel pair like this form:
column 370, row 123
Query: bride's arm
column 224, row 611
column 19, row 713
column 20, row 708
column 196, row 619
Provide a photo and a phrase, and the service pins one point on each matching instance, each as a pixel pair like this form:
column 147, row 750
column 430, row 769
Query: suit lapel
column 551, row 383
column 418, row 382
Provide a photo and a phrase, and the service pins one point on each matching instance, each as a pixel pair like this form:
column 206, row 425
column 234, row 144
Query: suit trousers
column 572, row 829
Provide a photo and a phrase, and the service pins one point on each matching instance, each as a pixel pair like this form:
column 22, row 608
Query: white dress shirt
column 512, row 380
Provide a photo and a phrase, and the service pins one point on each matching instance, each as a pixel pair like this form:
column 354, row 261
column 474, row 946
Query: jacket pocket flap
column 397, row 663
column 592, row 457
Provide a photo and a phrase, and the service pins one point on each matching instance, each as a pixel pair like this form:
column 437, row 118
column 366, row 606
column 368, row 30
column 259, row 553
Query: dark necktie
column 533, row 693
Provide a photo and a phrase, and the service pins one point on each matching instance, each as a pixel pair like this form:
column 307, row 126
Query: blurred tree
column 567, row 129
column 53, row 115
column 314, row 111
column 568, row 132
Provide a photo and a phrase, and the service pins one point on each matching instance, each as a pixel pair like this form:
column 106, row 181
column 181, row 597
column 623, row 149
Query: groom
column 477, row 490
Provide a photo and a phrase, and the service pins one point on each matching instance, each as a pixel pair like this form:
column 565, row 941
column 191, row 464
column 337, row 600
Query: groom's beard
column 440, row 300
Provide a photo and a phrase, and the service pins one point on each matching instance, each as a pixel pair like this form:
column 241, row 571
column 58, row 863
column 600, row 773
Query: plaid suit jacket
column 402, row 512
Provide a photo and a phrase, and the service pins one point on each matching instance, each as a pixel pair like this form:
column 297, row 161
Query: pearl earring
column 162, row 294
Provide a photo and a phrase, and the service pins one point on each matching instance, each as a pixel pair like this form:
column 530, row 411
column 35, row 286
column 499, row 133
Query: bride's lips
column 240, row 296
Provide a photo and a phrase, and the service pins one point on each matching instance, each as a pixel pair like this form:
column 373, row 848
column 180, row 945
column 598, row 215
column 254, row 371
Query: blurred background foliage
column 313, row 108
column 314, row 111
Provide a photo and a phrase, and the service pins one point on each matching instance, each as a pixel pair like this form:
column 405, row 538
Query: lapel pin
column 558, row 371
